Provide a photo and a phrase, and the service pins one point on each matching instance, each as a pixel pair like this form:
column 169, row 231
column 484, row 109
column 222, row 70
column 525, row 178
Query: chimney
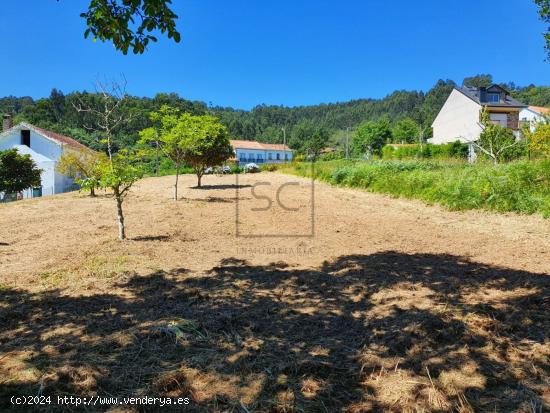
column 7, row 122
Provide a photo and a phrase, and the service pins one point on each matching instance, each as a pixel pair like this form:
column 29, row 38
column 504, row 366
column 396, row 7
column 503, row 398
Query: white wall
column 457, row 120
column 8, row 142
column 52, row 181
column 46, row 147
column 527, row 115
column 263, row 154
column 39, row 144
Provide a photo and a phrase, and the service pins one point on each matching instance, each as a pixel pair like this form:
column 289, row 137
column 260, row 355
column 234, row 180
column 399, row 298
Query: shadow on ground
column 383, row 332
column 222, row 186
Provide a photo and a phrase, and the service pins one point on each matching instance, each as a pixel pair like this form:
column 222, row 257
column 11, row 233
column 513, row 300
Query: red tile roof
column 65, row 140
column 540, row 109
column 238, row 144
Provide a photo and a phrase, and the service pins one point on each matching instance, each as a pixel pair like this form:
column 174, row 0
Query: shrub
column 454, row 150
column 236, row 169
column 269, row 167
column 331, row 156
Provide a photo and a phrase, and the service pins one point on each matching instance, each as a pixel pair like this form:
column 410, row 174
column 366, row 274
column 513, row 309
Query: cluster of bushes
column 270, row 167
column 520, row 186
column 454, row 150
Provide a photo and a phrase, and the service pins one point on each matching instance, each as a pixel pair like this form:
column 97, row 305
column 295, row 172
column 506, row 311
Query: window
column 499, row 119
column 270, row 156
column 493, row 98
column 278, row 156
column 26, row 138
column 286, row 156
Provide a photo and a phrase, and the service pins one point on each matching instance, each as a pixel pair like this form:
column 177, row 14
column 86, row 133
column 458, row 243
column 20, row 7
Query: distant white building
column 45, row 148
column 534, row 114
column 260, row 153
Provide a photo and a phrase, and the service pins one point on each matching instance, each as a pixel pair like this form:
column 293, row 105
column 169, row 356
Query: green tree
column 316, row 142
column 544, row 12
column 17, row 172
column 478, row 81
column 119, row 174
column 495, row 141
column 129, row 23
column 83, row 166
column 167, row 137
column 204, row 140
column 309, row 138
column 370, row 137
column 539, row 139
column 405, row 131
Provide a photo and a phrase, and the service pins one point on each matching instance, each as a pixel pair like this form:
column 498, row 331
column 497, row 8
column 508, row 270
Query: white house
column 459, row 118
column 259, row 153
column 533, row 114
column 45, row 148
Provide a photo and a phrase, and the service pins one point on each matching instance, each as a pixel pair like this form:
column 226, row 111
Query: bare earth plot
column 392, row 305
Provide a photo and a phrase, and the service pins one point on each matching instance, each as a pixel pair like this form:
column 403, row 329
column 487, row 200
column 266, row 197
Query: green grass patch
column 521, row 186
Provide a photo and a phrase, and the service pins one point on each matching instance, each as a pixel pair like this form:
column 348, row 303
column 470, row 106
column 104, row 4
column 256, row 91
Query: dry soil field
column 391, row 305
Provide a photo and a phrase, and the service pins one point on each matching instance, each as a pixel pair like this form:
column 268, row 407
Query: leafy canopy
column 204, row 141
column 128, row 23
column 309, row 138
column 118, row 173
column 539, row 139
column 544, row 12
column 165, row 134
column 405, row 131
column 83, row 166
column 168, row 137
column 370, row 137
column 478, row 81
column 17, row 172
column 495, row 141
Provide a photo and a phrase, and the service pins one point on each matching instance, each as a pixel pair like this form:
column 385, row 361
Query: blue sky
column 245, row 52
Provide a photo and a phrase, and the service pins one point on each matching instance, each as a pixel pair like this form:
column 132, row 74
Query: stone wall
column 513, row 120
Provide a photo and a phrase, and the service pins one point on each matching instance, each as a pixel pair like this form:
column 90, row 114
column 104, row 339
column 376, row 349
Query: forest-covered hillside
column 262, row 123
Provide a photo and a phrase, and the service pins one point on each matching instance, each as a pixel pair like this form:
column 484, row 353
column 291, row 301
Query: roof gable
column 497, row 88
column 476, row 93
column 52, row 136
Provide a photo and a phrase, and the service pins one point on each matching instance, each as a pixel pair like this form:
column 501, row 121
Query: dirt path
column 383, row 305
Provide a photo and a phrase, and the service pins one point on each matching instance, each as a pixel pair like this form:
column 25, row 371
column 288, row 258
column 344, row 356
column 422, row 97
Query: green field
column 522, row 186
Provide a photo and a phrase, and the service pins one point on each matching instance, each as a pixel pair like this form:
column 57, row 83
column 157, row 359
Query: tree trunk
column 176, row 184
column 120, row 216
column 92, row 191
column 199, row 176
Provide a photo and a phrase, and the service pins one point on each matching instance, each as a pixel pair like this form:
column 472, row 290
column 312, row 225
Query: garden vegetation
column 521, row 186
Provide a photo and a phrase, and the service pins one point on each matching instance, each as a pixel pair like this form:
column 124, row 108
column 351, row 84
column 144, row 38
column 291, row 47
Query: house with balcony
column 460, row 116
column 260, row 153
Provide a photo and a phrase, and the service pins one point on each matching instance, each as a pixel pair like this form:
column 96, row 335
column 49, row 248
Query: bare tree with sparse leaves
column 117, row 173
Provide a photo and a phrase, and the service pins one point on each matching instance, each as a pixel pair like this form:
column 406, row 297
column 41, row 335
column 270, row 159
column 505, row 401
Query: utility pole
column 284, row 142
column 347, row 142
column 421, row 131
column 157, row 160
